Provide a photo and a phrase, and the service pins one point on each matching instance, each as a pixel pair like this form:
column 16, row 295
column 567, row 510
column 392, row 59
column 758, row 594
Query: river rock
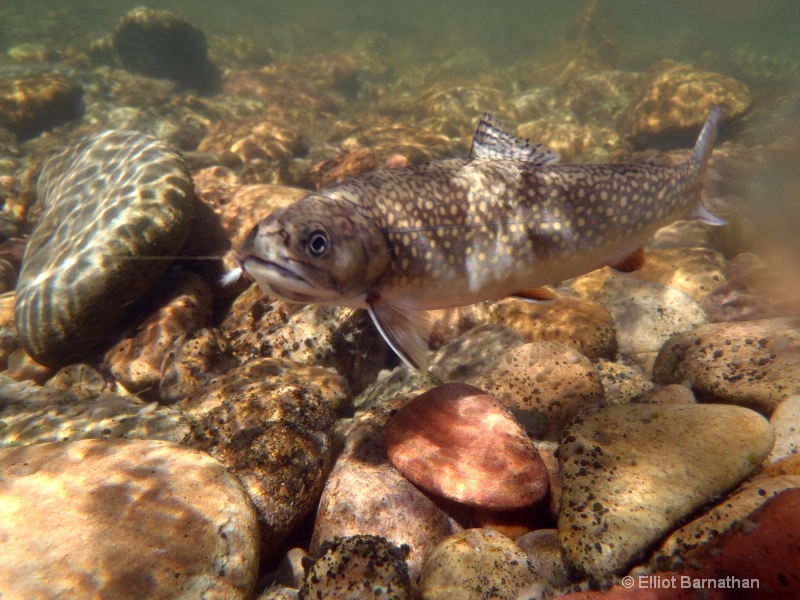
column 31, row 414
column 183, row 306
column 544, row 384
column 473, row 354
column 774, row 479
column 116, row 206
column 754, row 364
column 631, row 472
column 694, row 271
column 136, row 518
column 36, row 103
column 476, row 564
column 366, row 495
column 159, row 44
column 785, row 421
column 647, row 314
column 544, row 551
column 579, row 323
column 358, row 567
column 274, row 434
column 456, row 442
column 674, row 98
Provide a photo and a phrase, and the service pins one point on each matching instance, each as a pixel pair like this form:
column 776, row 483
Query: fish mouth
column 278, row 280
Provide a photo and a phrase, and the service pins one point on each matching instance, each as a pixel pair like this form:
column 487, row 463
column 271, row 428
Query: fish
column 504, row 221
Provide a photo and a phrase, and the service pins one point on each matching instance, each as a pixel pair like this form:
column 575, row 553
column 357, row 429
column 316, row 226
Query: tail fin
column 698, row 163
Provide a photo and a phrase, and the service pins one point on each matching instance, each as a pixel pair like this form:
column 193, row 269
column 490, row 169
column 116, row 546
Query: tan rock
column 754, row 364
column 123, row 519
column 365, row 494
column 694, row 271
column 774, row 479
column 474, row 563
column 632, row 472
column 576, row 322
column 544, row 384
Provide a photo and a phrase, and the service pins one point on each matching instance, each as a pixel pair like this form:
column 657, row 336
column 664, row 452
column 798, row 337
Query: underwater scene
column 421, row 300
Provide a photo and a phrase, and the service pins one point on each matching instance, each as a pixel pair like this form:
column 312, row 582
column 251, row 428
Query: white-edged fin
column 701, row 213
column 405, row 329
column 492, row 142
column 230, row 277
column 540, row 295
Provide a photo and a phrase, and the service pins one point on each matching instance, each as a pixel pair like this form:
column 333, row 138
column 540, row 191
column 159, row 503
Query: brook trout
column 501, row 222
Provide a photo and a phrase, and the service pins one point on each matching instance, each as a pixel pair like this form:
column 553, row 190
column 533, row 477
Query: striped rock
column 115, row 207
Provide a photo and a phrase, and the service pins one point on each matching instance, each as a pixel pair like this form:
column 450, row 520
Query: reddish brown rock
column 457, row 442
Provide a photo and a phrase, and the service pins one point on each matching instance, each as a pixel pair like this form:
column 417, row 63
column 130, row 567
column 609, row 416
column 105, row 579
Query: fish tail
column 698, row 164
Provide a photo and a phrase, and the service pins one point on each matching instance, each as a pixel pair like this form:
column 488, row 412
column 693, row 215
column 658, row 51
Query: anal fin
column 406, row 330
column 632, row 262
column 540, row 295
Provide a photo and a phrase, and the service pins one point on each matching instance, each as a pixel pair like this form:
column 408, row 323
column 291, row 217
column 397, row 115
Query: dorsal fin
column 492, row 142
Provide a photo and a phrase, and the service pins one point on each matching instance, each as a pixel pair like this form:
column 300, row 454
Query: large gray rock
column 116, row 206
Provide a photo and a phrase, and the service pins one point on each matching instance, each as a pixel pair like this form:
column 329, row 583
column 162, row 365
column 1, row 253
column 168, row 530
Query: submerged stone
column 116, row 207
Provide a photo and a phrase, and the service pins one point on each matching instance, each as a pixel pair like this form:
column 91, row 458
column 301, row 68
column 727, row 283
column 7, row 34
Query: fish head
column 317, row 250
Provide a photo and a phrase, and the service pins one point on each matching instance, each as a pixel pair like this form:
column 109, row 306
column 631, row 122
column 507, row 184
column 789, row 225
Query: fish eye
column 318, row 242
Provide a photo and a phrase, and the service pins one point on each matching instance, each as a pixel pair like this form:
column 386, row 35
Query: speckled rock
column 450, row 323
column 196, row 359
column 365, row 494
column 358, row 567
column 474, row 354
column 785, row 421
column 544, row 384
column 31, row 415
column 160, row 44
column 400, row 381
column 279, row 593
column 416, row 143
column 676, row 98
column 273, row 433
column 774, row 479
column 647, row 314
column 670, row 394
column 694, row 271
column 31, row 105
column 107, row 201
column 136, row 518
column 576, row 322
column 338, row 337
column 671, row 458
column 181, row 306
column 754, row 364
column 457, row 442
column 544, row 551
column 462, row 105
column 476, row 564
column 622, row 383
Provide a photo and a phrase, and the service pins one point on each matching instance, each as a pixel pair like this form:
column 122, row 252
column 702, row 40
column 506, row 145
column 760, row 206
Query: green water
column 504, row 30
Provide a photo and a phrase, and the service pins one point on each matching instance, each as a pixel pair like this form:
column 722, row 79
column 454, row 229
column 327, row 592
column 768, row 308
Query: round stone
column 115, row 207
column 632, row 472
column 361, row 566
column 457, row 442
column 123, row 519
column 475, row 564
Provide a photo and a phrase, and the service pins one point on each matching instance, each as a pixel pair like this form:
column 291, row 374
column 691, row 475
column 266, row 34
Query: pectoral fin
column 631, row 263
column 405, row 329
column 540, row 295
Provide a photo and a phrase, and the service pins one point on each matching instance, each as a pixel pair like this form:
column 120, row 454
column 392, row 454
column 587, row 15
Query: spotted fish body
column 501, row 222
